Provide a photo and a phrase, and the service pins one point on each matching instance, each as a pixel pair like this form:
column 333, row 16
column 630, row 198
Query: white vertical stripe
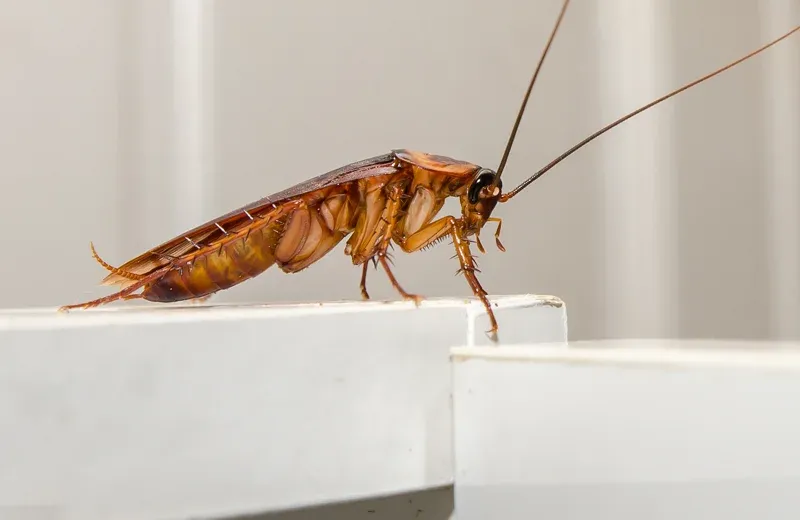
column 782, row 165
column 634, row 56
column 191, row 23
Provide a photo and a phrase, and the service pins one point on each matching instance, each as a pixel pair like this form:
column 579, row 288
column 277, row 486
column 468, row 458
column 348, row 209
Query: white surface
column 164, row 413
column 628, row 430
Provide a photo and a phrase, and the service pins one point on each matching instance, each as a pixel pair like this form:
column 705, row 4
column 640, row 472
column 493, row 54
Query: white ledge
column 656, row 353
column 171, row 412
column 521, row 325
column 627, row 430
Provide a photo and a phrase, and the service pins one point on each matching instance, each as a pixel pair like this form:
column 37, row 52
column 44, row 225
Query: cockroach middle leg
column 381, row 236
column 392, row 212
column 406, row 295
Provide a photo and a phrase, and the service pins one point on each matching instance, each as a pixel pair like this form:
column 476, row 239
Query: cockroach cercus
column 394, row 197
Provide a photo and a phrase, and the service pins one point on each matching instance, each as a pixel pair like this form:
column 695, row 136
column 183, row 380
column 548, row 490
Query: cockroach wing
column 213, row 229
column 437, row 163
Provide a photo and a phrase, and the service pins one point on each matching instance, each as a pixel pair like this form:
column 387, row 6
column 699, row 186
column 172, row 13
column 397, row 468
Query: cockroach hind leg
column 122, row 295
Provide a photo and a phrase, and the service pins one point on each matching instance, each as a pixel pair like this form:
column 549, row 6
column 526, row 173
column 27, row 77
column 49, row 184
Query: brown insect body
column 389, row 198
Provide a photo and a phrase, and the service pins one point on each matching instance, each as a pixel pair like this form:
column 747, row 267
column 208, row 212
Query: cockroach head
column 482, row 186
column 482, row 195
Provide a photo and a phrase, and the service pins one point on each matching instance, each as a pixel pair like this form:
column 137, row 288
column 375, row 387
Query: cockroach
column 388, row 198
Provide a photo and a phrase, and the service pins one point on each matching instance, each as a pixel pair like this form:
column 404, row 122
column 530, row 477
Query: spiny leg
column 374, row 232
column 468, row 269
column 434, row 232
column 406, row 296
column 390, row 222
column 124, row 294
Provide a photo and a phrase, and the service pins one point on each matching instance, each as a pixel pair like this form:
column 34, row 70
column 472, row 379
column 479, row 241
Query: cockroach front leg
column 496, row 236
column 497, row 232
column 435, row 231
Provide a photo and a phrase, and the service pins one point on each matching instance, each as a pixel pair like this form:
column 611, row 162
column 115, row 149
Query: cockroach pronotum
column 389, row 198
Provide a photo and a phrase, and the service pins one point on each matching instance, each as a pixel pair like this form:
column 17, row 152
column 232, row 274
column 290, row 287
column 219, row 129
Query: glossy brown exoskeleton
column 391, row 198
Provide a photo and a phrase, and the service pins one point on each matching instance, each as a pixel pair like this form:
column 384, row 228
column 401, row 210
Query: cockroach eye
column 482, row 179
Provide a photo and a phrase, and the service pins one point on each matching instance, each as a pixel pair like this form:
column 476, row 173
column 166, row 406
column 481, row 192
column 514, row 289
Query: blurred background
column 126, row 122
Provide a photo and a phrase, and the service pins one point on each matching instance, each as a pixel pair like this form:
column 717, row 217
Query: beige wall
column 682, row 222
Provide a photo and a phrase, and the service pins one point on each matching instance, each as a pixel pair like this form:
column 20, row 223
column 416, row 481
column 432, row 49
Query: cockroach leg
column 406, row 296
column 436, row 231
column 478, row 243
column 363, row 284
column 125, row 294
column 386, row 230
column 468, row 268
column 497, row 232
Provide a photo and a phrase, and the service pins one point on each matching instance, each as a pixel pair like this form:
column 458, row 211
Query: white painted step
column 152, row 412
column 628, row 430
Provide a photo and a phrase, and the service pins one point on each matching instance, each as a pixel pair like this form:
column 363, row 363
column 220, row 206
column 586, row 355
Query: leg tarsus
column 497, row 232
column 363, row 284
column 125, row 294
column 480, row 293
column 478, row 243
column 492, row 335
column 121, row 295
column 406, row 296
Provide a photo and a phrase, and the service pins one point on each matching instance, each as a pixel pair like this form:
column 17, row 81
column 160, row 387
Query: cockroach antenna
column 521, row 111
column 506, row 196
